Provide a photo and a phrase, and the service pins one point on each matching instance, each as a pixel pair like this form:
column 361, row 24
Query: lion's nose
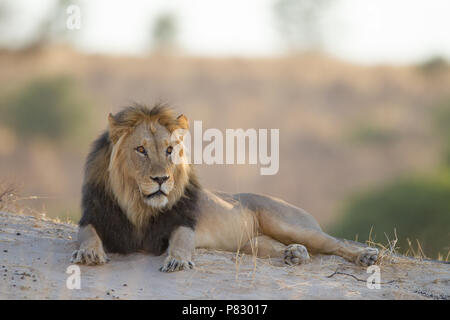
column 160, row 180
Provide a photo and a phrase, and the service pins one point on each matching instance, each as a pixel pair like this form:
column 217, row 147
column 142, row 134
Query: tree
column 165, row 32
column 51, row 28
column 299, row 23
column 52, row 108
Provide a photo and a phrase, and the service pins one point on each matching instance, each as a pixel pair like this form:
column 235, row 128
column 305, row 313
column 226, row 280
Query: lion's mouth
column 155, row 194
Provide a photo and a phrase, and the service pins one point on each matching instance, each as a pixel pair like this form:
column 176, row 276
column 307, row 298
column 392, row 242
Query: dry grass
column 12, row 202
column 390, row 254
column 6, row 193
column 444, row 257
column 8, row 198
column 247, row 233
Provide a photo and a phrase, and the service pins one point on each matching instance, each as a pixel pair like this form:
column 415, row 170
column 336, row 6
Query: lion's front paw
column 172, row 264
column 89, row 256
column 295, row 254
column 367, row 257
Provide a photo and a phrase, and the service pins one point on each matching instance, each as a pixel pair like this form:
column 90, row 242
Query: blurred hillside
column 343, row 127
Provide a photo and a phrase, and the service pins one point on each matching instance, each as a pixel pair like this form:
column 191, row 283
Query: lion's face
column 147, row 167
column 149, row 159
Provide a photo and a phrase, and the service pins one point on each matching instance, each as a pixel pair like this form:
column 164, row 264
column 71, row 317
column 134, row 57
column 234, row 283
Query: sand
column 35, row 256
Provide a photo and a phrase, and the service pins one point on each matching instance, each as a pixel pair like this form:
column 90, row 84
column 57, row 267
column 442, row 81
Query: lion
column 135, row 198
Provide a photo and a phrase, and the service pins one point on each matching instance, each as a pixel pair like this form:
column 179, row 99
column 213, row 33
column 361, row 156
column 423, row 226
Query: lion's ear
column 111, row 120
column 115, row 129
column 183, row 121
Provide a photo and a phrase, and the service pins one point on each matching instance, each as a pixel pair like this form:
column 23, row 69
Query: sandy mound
column 35, row 254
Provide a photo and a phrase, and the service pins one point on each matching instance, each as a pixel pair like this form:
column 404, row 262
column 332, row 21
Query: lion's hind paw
column 295, row 254
column 367, row 257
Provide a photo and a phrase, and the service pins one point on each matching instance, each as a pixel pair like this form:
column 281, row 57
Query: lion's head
column 143, row 175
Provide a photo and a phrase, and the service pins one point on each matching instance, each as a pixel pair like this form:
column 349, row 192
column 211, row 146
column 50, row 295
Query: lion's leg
column 315, row 240
column 91, row 248
column 267, row 247
column 321, row 242
column 181, row 248
column 264, row 247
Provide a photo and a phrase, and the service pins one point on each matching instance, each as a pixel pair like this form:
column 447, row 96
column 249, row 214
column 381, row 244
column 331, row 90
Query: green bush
column 50, row 107
column 417, row 208
column 433, row 65
column 441, row 119
column 371, row 134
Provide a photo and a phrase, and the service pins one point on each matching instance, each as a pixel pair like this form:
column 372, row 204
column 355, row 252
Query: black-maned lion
column 135, row 198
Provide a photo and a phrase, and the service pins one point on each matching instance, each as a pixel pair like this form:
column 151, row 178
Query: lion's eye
column 169, row 150
column 141, row 149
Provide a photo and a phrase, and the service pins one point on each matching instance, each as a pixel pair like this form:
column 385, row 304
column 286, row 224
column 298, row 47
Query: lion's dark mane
column 118, row 234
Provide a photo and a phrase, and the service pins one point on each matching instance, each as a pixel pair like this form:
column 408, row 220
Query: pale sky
column 362, row 31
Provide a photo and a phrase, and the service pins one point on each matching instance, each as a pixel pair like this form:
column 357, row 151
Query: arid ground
column 35, row 254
